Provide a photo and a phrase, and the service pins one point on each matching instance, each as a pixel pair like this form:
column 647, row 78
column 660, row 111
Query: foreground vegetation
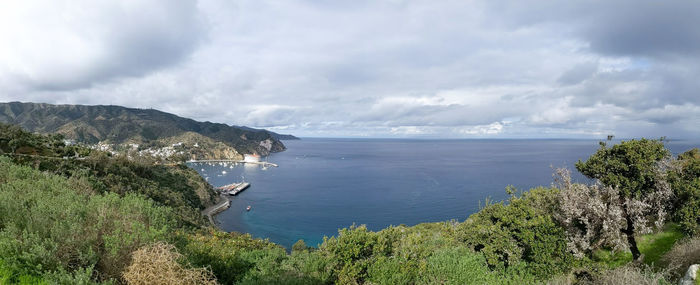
column 105, row 219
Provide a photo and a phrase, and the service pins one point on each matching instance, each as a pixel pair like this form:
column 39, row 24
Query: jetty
column 263, row 163
column 222, row 204
column 234, row 188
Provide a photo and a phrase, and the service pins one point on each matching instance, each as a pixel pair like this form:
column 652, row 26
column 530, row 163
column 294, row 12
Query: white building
column 251, row 158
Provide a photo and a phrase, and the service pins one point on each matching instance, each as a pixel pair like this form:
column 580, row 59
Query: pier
column 263, row 163
column 222, row 205
column 233, row 189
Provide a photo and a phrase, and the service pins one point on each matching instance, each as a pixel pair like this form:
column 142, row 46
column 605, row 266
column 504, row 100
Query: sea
column 322, row 185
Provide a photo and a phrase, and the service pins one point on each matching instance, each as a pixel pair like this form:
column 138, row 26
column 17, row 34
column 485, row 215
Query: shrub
column 231, row 256
column 633, row 170
column 685, row 182
column 457, row 265
column 521, row 231
column 682, row 255
column 300, row 245
column 350, row 252
column 629, row 275
column 158, row 264
column 46, row 226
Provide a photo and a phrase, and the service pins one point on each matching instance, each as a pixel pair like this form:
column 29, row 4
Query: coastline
column 221, row 205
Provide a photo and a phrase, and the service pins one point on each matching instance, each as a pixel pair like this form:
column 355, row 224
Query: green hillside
column 118, row 125
column 98, row 218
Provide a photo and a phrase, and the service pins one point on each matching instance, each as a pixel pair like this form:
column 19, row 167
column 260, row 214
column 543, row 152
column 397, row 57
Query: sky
column 369, row 68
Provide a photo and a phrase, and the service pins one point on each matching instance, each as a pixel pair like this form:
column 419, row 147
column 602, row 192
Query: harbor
column 263, row 163
column 223, row 202
column 225, row 167
column 248, row 158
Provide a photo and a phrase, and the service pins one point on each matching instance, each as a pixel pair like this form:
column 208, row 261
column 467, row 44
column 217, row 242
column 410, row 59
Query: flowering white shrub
column 595, row 216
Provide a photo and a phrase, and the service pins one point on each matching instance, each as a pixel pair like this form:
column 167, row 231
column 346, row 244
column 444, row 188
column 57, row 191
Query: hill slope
column 118, row 125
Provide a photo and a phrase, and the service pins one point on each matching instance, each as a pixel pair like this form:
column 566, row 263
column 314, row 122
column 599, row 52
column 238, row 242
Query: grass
column 7, row 276
column 652, row 246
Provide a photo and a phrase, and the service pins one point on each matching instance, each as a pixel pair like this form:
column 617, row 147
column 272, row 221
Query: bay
column 322, row 185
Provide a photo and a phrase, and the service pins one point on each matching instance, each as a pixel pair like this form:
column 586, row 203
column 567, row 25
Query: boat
column 248, row 208
column 223, row 172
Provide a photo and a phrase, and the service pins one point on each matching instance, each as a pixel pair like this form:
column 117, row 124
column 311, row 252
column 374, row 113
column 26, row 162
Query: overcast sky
column 394, row 68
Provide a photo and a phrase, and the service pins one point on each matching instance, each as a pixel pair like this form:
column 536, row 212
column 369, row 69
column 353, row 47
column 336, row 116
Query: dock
column 234, row 188
column 263, row 163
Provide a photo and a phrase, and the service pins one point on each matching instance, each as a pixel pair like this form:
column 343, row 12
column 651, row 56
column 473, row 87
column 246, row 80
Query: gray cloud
column 578, row 73
column 67, row 45
column 373, row 68
column 645, row 28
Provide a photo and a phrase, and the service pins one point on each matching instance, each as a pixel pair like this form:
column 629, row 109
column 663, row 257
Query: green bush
column 685, row 182
column 350, row 253
column 460, row 265
column 521, row 231
column 46, row 226
column 232, row 257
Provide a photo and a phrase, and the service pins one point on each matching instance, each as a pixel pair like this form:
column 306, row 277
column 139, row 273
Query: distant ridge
column 118, row 125
column 283, row 137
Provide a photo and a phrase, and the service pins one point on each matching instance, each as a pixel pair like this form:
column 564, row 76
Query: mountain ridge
column 119, row 125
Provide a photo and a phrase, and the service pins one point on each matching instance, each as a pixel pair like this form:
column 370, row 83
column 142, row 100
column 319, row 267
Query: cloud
column 409, row 68
column 65, row 45
column 578, row 73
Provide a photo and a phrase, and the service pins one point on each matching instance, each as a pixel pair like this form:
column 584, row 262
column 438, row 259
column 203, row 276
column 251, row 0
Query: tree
column 685, row 182
column 633, row 169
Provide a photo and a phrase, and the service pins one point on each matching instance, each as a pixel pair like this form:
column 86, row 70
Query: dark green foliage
column 175, row 186
column 238, row 258
column 10, row 276
column 48, row 226
column 521, row 231
column 300, row 245
column 460, row 265
column 685, row 182
column 629, row 166
column 351, row 252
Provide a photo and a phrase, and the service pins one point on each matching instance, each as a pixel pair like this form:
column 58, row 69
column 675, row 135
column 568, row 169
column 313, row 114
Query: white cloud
column 68, row 44
column 368, row 68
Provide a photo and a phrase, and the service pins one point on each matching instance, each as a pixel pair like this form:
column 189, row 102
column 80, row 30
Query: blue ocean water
column 322, row 185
